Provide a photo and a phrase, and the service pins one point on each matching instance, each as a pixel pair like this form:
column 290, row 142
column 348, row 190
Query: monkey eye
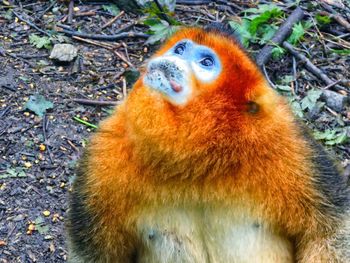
column 207, row 61
column 180, row 48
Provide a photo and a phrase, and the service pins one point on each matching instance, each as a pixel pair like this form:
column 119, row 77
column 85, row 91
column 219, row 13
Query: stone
column 64, row 52
column 334, row 100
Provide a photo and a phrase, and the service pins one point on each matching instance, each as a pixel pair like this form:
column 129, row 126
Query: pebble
column 334, row 100
column 64, row 52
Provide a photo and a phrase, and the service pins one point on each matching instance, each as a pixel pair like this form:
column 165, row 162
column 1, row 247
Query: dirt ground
column 38, row 154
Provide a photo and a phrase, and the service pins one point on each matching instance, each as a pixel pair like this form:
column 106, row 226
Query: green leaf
column 112, row 9
column 309, row 101
column 38, row 104
column 39, row 220
column 267, row 32
column 262, row 9
column 323, row 20
column 151, row 21
column 40, row 226
column 242, row 31
column 296, row 108
column 283, row 88
column 13, row 173
column 287, row 79
column 332, row 137
column 154, row 13
column 131, row 76
column 278, row 52
column 266, row 13
column 40, row 42
column 344, row 52
column 25, row 79
column 298, row 32
column 8, row 15
column 256, row 22
column 255, row 28
column 160, row 32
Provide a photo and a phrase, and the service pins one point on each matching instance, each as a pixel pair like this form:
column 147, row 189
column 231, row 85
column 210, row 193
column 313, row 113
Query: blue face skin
column 170, row 74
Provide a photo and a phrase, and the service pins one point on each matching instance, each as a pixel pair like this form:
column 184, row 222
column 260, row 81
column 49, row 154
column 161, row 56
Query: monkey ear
column 253, row 107
column 224, row 29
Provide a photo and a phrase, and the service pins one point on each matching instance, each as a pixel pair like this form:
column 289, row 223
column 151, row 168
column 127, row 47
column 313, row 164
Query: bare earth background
column 38, row 154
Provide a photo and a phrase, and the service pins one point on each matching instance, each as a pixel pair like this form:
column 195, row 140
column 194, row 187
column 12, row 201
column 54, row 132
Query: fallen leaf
column 38, row 104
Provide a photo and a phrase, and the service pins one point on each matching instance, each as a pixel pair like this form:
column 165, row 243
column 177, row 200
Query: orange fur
column 210, row 152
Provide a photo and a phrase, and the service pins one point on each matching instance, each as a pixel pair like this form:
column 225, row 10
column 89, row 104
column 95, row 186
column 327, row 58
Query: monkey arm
column 99, row 223
column 323, row 248
column 99, row 232
column 330, row 241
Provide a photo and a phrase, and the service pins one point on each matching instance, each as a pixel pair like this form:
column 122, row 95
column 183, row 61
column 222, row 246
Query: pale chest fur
column 201, row 235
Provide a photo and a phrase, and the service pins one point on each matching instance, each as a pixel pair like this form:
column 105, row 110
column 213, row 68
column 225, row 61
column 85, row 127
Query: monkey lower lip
column 175, row 86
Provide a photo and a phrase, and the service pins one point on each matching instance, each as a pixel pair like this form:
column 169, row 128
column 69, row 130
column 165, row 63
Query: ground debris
column 64, row 52
column 40, row 146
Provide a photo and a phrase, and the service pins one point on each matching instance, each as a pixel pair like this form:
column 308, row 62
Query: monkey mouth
column 164, row 76
column 170, row 76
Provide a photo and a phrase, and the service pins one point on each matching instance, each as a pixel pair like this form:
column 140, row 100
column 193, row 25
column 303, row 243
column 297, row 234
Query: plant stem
column 85, row 122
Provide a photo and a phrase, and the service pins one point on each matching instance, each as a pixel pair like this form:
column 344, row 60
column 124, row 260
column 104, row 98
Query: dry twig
column 280, row 36
column 308, row 64
column 110, row 22
column 102, row 37
column 30, row 23
column 96, row 102
column 70, row 12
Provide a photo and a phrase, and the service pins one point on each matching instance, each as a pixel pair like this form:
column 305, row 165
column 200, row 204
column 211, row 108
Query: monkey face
column 198, row 82
column 172, row 73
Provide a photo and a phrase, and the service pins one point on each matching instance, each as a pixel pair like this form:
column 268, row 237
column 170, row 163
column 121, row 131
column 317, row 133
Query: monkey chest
column 178, row 235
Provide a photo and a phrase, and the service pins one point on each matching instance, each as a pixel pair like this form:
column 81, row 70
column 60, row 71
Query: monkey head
column 200, row 92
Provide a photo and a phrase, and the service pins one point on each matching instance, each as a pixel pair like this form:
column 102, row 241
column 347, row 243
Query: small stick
column 126, row 50
column 193, row 2
column 72, row 145
column 296, row 86
column 30, row 24
column 337, row 17
column 308, row 64
column 110, row 22
column 88, row 13
column 124, row 88
column 32, row 188
column 32, row 56
column 267, row 77
column 96, row 102
column 280, row 36
column 106, row 46
column 96, row 43
column 70, row 12
column 332, row 84
column 123, row 58
column 19, row 58
column 335, row 114
column 45, row 139
column 105, row 37
column 47, row 9
column 125, row 28
column 85, row 122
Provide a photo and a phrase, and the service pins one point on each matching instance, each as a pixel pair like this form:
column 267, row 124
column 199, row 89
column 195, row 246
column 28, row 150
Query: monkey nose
column 175, row 86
